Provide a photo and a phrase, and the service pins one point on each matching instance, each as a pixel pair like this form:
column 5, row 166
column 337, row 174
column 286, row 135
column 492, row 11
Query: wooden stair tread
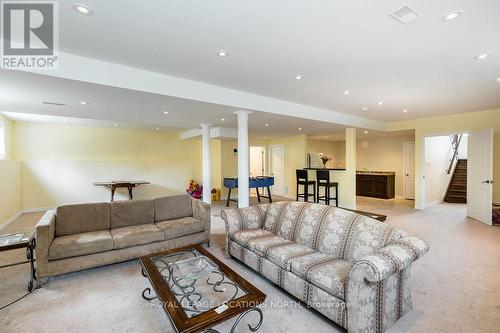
column 457, row 188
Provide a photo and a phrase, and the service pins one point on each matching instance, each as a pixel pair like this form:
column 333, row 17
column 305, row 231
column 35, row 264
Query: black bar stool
column 302, row 179
column 323, row 178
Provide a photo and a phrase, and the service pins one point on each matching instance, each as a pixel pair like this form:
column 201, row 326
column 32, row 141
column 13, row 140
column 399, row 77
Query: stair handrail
column 455, row 143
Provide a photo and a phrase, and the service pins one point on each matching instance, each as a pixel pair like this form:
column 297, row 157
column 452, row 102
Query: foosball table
column 253, row 182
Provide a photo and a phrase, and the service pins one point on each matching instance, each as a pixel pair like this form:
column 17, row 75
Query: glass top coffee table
column 197, row 291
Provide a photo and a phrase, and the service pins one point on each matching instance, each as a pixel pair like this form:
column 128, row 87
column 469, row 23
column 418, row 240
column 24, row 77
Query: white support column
column 349, row 189
column 243, row 163
column 205, row 147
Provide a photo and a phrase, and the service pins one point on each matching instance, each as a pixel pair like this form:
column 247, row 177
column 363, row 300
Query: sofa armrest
column 45, row 232
column 242, row 218
column 391, row 259
column 378, row 288
column 202, row 212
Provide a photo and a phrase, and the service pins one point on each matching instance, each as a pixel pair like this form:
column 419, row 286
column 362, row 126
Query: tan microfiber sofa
column 77, row 237
column 351, row 268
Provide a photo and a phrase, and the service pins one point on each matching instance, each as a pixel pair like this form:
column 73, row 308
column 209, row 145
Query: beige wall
column 11, row 189
column 295, row 158
column 334, row 149
column 60, row 163
column 457, row 123
column 383, row 154
column 10, row 176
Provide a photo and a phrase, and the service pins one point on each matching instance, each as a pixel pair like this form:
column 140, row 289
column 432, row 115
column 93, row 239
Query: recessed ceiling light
column 498, row 80
column 347, row 92
column 300, row 128
column 452, row 15
column 364, row 108
column 381, row 103
column 83, row 9
column 223, row 119
column 84, row 103
column 482, row 56
column 157, row 128
column 116, row 125
column 165, row 112
column 298, row 77
column 222, row 53
column 405, row 111
column 267, row 125
column 366, row 132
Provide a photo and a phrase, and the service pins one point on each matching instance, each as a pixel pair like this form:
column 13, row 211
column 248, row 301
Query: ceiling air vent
column 405, row 14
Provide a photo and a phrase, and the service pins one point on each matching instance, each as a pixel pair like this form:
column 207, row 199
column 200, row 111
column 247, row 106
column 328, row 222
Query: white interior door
column 257, row 162
column 277, row 168
column 480, row 176
column 409, row 170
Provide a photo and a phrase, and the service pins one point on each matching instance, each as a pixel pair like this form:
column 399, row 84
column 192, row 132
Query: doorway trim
column 422, row 167
column 405, row 165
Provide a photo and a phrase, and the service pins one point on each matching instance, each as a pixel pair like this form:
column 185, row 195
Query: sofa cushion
column 132, row 212
column 350, row 236
column 282, row 255
column 181, row 227
column 136, row 235
column 170, row 208
column 300, row 266
column 80, row 244
column 75, row 219
column 330, row 276
column 264, row 244
column 244, row 237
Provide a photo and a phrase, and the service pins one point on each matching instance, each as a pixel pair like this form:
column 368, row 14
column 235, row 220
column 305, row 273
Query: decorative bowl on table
column 193, row 268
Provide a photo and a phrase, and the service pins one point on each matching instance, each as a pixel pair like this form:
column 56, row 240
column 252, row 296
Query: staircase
column 457, row 189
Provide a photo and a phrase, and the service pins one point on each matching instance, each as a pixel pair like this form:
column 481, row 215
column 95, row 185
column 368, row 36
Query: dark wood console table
column 113, row 185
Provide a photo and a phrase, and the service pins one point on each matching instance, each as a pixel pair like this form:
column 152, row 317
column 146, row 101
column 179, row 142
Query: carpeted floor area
column 455, row 285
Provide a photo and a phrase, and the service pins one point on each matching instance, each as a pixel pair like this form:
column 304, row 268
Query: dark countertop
column 376, row 173
column 330, row 169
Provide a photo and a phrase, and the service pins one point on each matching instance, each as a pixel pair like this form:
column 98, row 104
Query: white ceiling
column 426, row 67
column 22, row 94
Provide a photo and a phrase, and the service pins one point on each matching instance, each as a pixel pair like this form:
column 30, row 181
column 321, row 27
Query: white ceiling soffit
column 25, row 93
column 223, row 133
column 363, row 134
column 110, row 74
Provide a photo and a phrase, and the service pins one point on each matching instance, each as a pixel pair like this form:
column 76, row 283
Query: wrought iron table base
column 211, row 330
column 240, row 317
column 30, row 255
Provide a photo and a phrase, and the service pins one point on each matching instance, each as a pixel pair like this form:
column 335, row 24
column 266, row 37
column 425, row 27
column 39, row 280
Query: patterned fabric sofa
column 82, row 236
column 353, row 269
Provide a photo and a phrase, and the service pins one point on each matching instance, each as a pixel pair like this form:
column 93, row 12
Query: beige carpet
column 455, row 286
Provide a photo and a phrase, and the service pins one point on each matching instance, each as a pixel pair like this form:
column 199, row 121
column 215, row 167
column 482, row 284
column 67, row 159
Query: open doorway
column 446, row 169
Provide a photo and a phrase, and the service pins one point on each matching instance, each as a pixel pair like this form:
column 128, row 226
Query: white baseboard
column 433, row 203
column 21, row 212
column 12, row 219
column 36, row 210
